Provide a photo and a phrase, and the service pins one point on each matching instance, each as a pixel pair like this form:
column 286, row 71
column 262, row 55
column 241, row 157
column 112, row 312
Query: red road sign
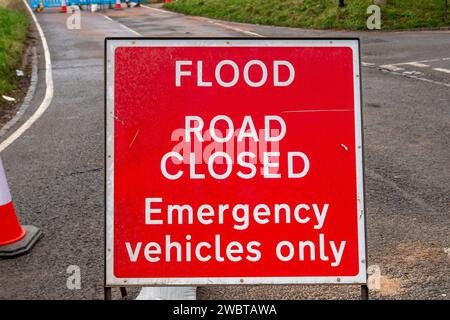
column 234, row 161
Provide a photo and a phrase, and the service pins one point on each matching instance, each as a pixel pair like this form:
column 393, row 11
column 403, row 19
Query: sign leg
column 108, row 291
column 364, row 292
column 123, row 292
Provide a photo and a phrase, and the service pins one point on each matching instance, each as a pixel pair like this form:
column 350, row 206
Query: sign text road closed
column 233, row 161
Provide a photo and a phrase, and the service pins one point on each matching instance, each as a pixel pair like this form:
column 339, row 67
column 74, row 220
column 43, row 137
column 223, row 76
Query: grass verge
column 318, row 14
column 13, row 34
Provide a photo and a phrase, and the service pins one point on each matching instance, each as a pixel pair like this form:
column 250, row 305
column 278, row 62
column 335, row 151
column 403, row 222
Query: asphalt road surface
column 55, row 169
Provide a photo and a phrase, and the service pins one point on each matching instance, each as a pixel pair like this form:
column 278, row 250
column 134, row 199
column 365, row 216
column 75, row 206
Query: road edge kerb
column 48, row 91
column 28, row 97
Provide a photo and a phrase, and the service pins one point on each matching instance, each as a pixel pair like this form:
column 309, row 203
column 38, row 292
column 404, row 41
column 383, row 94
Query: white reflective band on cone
column 167, row 293
column 5, row 196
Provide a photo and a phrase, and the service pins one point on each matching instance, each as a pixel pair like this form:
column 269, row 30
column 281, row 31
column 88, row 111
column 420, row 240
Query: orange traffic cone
column 63, row 6
column 14, row 239
column 118, row 4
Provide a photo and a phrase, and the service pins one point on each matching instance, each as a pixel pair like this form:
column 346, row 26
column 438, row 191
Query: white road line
column 391, row 67
column 123, row 26
column 250, row 33
column 48, row 92
column 418, row 78
column 395, row 69
column 442, row 70
column 417, row 64
column 159, row 10
column 414, row 73
column 420, row 62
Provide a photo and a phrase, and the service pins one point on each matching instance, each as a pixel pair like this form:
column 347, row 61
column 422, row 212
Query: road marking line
column 250, row 33
column 159, row 10
column 418, row 78
column 123, row 26
column 416, row 73
column 432, row 81
column 367, row 64
column 391, row 67
column 417, row 64
column 442, row 70
column 48, row 92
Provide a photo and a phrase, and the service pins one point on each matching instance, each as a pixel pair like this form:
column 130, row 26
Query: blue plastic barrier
column 57, row 3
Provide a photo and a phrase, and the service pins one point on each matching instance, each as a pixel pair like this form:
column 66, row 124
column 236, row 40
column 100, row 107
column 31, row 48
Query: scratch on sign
column 132, row 141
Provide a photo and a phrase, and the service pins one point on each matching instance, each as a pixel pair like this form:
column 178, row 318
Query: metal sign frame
column 112, row 43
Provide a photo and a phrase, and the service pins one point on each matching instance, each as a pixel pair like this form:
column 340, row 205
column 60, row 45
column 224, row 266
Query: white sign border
column 112, row 43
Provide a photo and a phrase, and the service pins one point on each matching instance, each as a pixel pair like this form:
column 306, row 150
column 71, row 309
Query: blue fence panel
column 57, row 3
column 34, row 3
column 45, row 3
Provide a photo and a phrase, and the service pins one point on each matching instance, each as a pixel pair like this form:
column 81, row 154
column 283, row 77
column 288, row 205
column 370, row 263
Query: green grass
column 13, row 33
column 318, row 14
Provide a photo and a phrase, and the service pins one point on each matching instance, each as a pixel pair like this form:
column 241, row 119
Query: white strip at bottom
column 168, row 293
